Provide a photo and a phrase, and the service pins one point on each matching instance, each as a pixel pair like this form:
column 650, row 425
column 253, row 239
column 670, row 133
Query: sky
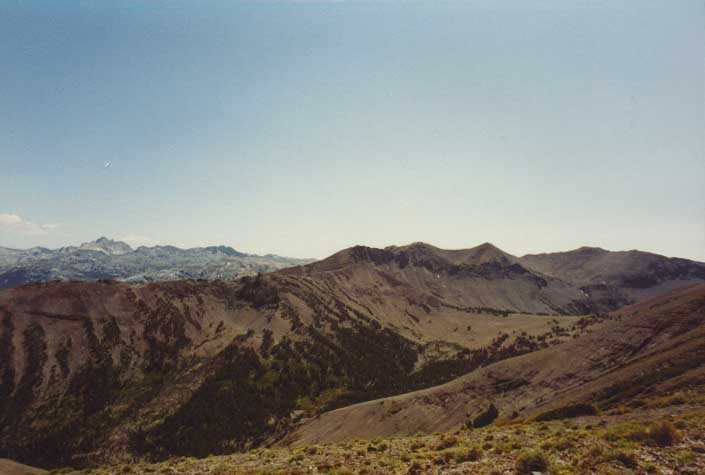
column 301, row 128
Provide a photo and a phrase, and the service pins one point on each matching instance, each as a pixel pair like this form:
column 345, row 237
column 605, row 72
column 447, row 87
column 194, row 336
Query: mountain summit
column 483, row 254
column 108, row 246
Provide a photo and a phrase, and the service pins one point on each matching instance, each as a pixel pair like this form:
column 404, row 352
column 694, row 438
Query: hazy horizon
column 135, row 245
column 302, row 128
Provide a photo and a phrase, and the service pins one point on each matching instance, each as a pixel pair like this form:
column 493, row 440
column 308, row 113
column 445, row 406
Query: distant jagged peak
column 167, row 248
column 106, row 245
column 227, row 250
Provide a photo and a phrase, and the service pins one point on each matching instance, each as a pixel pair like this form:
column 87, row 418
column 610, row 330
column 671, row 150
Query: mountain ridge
column 586, row 279
column 105, row 258
column 628, row 276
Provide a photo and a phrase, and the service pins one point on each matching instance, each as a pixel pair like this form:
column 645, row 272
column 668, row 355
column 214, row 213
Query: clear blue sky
column 302, row 128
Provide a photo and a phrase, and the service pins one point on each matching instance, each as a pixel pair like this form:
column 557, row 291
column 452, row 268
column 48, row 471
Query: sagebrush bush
column 532, row 461
column 461, row 454
column 664, row 434
column 628, row 459
column 487, row 417
column 447, row 442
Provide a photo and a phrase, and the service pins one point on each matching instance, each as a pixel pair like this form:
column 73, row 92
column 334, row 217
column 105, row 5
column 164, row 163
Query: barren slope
column 9, row 467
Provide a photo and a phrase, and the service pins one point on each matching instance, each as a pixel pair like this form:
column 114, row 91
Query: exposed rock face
column 108, row 246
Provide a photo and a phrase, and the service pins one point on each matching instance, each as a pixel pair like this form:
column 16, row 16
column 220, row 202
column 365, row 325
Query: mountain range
column 105, row 371
column 108, row 259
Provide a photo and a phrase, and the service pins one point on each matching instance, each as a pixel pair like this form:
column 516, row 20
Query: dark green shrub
column 532, row 461
column 664, row 434
column 472, row 455
column 627, row 459
column 311, row 450
column 487, row 417
column 417, row 445
column 569, row 411
column 446, row 442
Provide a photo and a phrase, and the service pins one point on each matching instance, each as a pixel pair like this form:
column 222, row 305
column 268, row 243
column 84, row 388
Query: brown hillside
column 8, row 467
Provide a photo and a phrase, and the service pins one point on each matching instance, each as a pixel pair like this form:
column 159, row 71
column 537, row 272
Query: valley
column 368, row 343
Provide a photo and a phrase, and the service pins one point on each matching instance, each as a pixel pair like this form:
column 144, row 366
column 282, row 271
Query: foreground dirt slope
column 9, row 467
column 650, row 348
